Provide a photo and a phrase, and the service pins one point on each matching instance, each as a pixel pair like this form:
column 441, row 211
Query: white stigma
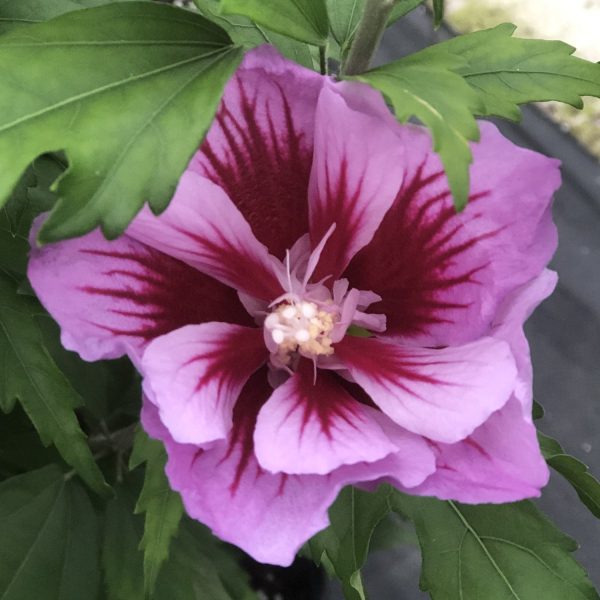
column 300, row 327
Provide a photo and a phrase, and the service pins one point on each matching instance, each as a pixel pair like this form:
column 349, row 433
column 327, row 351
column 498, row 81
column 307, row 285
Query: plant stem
column 323, row 60
column 368, row 35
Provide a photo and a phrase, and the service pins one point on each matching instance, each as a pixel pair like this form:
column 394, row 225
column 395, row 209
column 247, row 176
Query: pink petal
column 195, row 375
column 441, row 394
column 442, row 274
column 270, row 516
column 203, row 228
column 508, row 326
column 499, row 462
column 112, row 298
column 310, row 426
column 357, row 172
column 259, row 149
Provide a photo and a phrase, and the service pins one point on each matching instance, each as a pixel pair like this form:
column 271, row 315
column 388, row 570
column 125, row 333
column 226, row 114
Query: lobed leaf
column 506, row 71
column 31, row 377
column 304, row 20
column 246, row 33
column 574, row 471
column 199, row 565
column 122, row 561
column 486, row 73
column 344, row 545
column 27, row 12
column 49, row 543
column 443, row 101
column 128, row 102
column 161, row 505
column 493, row 551
column 26, row 202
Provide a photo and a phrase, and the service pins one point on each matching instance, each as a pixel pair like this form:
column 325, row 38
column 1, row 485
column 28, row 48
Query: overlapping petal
column 259, row 149
column 112, row 298
column 195, row 375
column 268, row 515
column 442, row 394
column 508, row 325
column 204, row 229
column 443, row 274
column 311, row 424
column 356, row 174
column 499, row 462
column 302, row 180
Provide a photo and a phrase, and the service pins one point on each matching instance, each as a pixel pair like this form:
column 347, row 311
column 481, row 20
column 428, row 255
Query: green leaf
column 304, row 20
column 49, row 543
column 344, row 545
column 104, row 385
column 16, row 216
column 486, row 73
column 14, row 246
column 161, row 505
column 493, row 551
column 27, row 12
column 402, row 8
column 122, row 560
column 443, row 101
column 128, row 102
column 199, row 569
column 199, row 565
column 438, row 12
column 344, row 17
column 248, row 34
column 506, row 71
column 574, row 471
column 31, row 376
column 537, row 411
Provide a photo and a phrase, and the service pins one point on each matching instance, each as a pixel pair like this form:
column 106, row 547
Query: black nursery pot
column 301, row 581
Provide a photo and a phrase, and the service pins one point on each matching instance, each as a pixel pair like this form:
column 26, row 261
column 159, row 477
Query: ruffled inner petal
column 499, row 462
column 311, row 424
column 195, row 375
column 203, row 228
column 442, row 274
column 259, row 149
column 442, row 394
column 357, row 172
column 268, row 515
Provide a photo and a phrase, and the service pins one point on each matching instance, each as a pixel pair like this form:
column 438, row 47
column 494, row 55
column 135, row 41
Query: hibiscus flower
column 311, row 312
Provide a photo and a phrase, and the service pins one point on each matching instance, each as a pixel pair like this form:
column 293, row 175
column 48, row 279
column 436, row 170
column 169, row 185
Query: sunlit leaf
column 304, row 20
column 245, row 32
column 128, row 102
column 443, row 101
column 20, row 13
column 506, row 71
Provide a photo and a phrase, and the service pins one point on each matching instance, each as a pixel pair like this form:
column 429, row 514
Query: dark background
column 564, row 334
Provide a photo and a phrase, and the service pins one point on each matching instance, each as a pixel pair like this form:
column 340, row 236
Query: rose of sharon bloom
column 311, row 312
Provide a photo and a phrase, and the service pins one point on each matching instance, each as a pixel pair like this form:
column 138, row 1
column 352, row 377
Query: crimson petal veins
column 311, row 312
